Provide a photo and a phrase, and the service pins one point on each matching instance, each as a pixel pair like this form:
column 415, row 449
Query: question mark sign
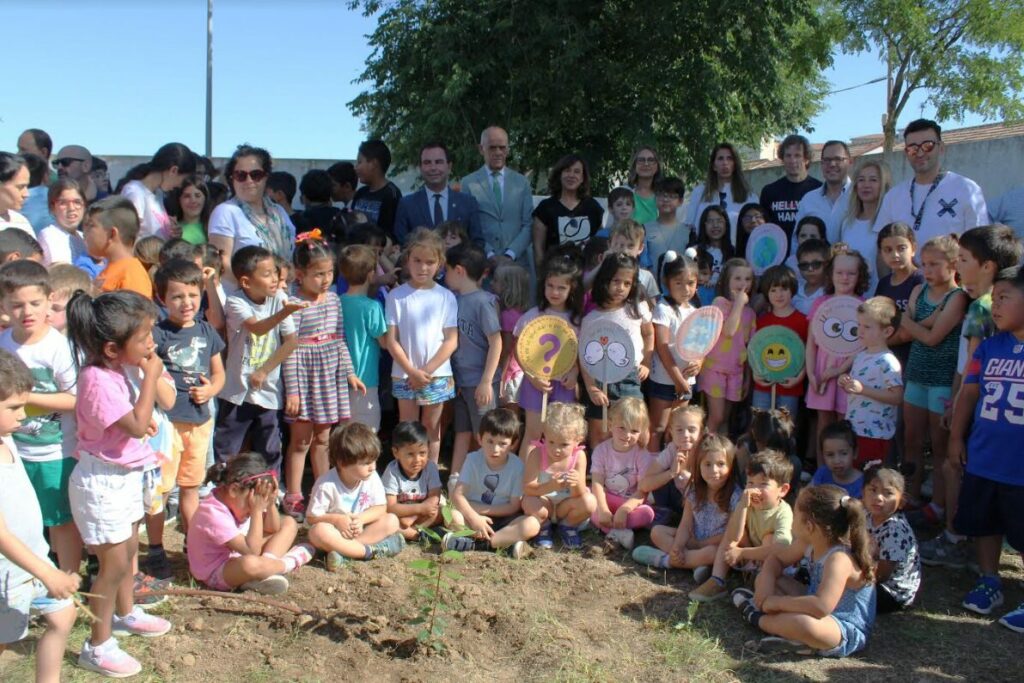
column 556, row 344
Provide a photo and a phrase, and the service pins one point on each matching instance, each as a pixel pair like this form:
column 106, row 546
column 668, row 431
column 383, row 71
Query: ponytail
column 111, row 317
column 842, row 519
column 857, row 531
column 244, row 468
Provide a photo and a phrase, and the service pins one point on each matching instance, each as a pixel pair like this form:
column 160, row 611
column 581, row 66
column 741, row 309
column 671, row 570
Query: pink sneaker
column 294, row 505
column 108, row 660
column 139, row 623
column 296, row 557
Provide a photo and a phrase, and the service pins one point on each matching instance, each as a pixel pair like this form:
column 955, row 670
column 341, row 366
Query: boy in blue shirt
column 987, row 426
column 365, row 330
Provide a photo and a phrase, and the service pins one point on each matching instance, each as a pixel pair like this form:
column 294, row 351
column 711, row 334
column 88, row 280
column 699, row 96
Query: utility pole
column 209, row 79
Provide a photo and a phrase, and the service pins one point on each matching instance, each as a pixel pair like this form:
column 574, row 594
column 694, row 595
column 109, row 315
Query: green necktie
column 496, row 187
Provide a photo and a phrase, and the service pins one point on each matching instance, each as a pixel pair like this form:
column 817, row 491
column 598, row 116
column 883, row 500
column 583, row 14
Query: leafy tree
column 967, row 54
column 596, row 78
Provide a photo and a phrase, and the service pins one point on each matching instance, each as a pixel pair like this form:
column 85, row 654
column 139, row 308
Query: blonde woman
column 871, row 181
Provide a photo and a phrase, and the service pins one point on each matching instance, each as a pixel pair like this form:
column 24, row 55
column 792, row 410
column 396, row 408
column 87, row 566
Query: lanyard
column 919, row 216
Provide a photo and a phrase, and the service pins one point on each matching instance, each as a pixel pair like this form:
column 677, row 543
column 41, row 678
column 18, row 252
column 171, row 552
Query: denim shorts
column 933, row 399
column 439, row 390
column 19, row 602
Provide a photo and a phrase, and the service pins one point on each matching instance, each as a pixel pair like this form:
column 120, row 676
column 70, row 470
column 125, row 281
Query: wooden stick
column 604, row 410
column 544, row 407
column 773, row 395
column 197, row 593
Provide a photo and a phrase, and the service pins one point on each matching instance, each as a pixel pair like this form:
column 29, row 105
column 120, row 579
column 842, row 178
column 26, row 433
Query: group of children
column 102, row 425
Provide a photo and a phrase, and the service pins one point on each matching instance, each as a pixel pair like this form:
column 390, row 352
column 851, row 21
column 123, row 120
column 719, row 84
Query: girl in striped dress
column 319, row 373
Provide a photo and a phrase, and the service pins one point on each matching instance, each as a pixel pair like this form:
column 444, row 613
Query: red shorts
column 869, row 450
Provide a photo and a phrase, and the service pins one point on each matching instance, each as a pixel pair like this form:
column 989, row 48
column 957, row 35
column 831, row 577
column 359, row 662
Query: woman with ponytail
column 164, row 172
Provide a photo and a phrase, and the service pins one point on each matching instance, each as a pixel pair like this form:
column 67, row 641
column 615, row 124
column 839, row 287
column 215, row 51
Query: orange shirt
column 128, row 274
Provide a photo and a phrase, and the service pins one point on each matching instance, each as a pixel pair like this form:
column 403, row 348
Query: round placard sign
column 776, row 353
column 606, row 353
column 546, row 347
column 766, row 247
column 699, row 332
column 834, row 326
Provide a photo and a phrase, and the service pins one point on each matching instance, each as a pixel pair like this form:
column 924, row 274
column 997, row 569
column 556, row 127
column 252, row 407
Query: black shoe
column 158, row 566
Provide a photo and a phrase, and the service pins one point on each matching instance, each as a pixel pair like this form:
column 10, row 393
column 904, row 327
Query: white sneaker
column 108, row 660
column 623, row 537
column 272, row 585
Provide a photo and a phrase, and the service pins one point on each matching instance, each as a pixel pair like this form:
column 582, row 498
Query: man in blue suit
column 435, row 202
column 506, row 202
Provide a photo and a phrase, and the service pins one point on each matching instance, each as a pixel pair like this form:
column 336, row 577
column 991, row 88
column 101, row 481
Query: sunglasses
column 926, row 146
column 810, row 265
column 256, row 175
column 66, row 161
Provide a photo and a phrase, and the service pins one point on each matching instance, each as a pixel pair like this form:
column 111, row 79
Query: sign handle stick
column 773, row 394
column 604, row 410
column 544, row 407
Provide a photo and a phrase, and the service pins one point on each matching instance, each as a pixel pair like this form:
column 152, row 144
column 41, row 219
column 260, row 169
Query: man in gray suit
column 506, row 202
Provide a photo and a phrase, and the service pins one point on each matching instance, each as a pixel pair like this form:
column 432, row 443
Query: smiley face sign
column 776, row 353
column 834, row 326
column 546, row 347
column 606, row 353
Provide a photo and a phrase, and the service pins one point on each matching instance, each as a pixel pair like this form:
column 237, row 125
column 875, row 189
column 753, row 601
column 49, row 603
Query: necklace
column 919, row 216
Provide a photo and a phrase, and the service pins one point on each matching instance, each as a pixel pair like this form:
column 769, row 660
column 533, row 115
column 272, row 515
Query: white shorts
column 18, row 602
column 106, row 500
column 366, row 409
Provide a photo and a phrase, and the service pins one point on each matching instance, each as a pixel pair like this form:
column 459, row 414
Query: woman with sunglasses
column 14, row 178
column 250, row 217
column 644, row 171
column 164, row 172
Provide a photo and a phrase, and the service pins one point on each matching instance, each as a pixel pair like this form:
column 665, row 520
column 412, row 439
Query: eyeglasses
column 832, row 160
column 810, row 265
column 70, row 203
column 66, row 161
column 646, row 160
column 913, row 148
column 256, row 175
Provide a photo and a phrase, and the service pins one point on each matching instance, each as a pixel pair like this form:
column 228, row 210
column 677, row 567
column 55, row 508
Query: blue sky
column 126, row 76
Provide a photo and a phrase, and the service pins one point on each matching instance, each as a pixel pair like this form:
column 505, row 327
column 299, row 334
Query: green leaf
column 416, row 621
column 451, row 555
column 423, row 635
column 422, row 564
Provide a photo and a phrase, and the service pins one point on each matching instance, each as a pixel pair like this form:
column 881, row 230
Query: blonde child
column 555, row 477
column 347, row 512
column 423, row 333
column 619, row 464
column 668, row 475
column 934, row 316
column 238, row 539
column 629, row 237
column 617, row 297
column 725, row 376
column 147, row 250
column 319, row 373
column 893, row 544
column 846, row 274
column 65, row 281
column 561, row 295
column 671, row 379
column 710, row 499
column 833, row 616
column 412, row 483
column 112, row 334
column 511, row 284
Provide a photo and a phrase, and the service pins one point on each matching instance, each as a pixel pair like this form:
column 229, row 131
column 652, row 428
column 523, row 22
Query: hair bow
column 313, row 234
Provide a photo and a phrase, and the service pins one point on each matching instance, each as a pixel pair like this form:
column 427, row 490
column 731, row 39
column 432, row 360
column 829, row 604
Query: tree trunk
column 889, row 138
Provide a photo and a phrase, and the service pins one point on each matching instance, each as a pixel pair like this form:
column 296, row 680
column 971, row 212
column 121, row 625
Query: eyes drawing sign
column 606, row 353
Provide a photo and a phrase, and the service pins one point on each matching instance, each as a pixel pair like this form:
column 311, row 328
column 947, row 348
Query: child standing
column 489, row 494
column 667, row 233
column 617, row 296
column 897, row 244
column 811, row 257
column 671, row 378
column 190, row 349
column 261, row 335
column 28, row 580
column 113, row 334
column 986, row 424
column 561, row 295
column 874, row 385
column 668, row 475
column 61, row 242
column 65, row 281
column 710, row 500
column 779, row 286
column 365, row 331
column 475, row 361
column 619, row 463
column 412, row 482
column 725, row 377
column 713, row 237
column 238, row 539
column 705, row 264
column 511, row 284
column 935, row 312
column 893, row 547
column 25, row 288
column 318, row 374
column 838, row 448
column 347, row 513
column 628, row 237
column 834, row 615
column 110, row 228
column 423, row 334
column 555, row 478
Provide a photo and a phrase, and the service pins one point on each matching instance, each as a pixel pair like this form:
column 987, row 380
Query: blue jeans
column 763, row 400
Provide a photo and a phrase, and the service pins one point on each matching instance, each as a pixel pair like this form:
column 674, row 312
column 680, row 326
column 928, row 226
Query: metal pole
column 209, row 78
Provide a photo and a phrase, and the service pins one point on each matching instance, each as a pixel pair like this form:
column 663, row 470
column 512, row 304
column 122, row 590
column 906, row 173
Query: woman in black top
column 570, row 214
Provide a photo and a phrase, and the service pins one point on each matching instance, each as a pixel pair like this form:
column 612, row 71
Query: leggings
column 639, row 518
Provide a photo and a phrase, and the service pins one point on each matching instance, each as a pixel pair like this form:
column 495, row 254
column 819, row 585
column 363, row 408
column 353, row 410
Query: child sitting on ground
column 670, row 471
column 893, row 545
column 412, row 483
column 347, row 513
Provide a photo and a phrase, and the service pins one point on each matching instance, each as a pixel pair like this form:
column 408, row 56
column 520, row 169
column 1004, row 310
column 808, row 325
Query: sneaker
column 272, row 585
column 138, row 623
column 294, row 506
column 299, row 555
column 942, row 552
column 650, row 556
column 741, row 597
column 986, row 595
column 108, row 660
column 701, row 574
column 775, row 645
column 570, row 536
column 453, row 480
column 335, row 561
column 544, row 540
column 709, row 591
column 459, row 543
column 389, row 547
column 1014, row 620
column 158, row 566
column 144, row 585
column 925, row 517
column 519, row 550
column 623, row 537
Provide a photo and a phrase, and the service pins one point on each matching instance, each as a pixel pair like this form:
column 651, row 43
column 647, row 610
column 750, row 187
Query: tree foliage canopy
column 597, row 78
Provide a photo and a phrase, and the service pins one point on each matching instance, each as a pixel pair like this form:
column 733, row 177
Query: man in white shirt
column 934, row 202
column 829, row 202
